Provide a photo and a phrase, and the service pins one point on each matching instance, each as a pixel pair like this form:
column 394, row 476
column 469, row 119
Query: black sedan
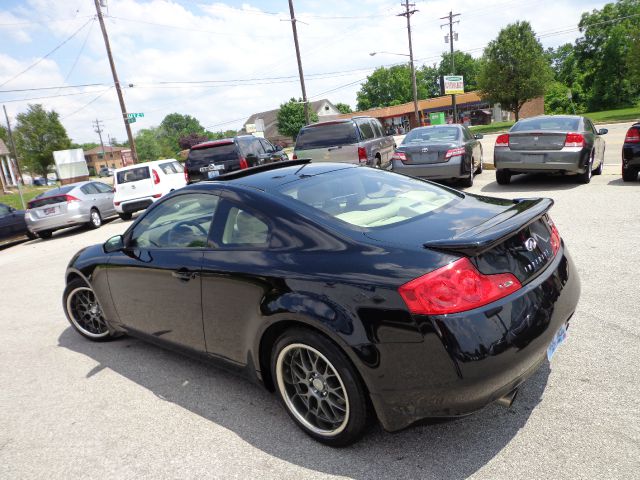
column 440, row 152
column 351, row 292
column 631, row 154
column 566, row 144
column 13, row 224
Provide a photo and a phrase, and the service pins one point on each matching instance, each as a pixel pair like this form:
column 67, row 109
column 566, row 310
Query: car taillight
column 502, row 140
column 295, row 157
column 362, row 154
column 454, row 152
column 400, row 156
column 455, row 288
column 243, row 163
column 186, row 174
column 555, row 236
column 70, row 198
column 157, row 195
column 117, row 203
column 156, row 178
column 633, row 136
column 574, row 140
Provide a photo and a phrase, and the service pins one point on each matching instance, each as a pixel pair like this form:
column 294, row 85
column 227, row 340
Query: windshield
column 213, row 154
column 564, row 124
column 324, row 136
column 133, row 175
column 366, row 197
column 432, row 135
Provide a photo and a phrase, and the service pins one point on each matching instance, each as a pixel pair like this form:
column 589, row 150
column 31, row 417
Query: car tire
column 95, row 220
column 467, row 182
column 125, row 216
column 319, row 387
column 503, row 177
column 629, row 174
column 481, row 166
column 45, row 234
column 31, row 235
column 585, row 177
column 83, row 311
column 598, row 171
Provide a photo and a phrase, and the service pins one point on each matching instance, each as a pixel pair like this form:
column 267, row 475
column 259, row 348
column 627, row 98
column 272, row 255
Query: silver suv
column 359, row 140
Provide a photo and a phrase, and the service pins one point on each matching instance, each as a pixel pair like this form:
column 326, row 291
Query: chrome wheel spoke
column 85, row 312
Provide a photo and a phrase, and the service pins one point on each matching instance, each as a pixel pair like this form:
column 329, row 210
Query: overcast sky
column 242, row 51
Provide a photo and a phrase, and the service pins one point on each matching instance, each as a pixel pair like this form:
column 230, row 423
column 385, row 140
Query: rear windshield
column 55, row 195
column 367, row 197
column 325, row 136
column 214, row 154
column 564, row 124
column 432, row 134
column 133, row 175
column 170, row 168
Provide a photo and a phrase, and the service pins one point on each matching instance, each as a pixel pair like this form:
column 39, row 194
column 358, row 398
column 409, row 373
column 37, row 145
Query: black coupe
column 352, row 292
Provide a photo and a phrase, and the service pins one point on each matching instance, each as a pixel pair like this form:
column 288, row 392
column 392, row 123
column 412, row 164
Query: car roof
column 553, row 116
column 272, row 178
column 144, row 164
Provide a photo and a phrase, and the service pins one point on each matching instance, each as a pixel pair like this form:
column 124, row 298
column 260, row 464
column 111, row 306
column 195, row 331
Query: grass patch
column 620, row 115
column 492, row 128
column 13, row 199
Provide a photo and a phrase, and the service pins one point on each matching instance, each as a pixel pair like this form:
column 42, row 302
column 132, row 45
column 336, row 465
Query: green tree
column 343, row 108
column 465, row 65
column 633, row 57
column 557, row 101
column 152, row 144
column 84, row 146
column 291, row 118
column 38, row 134
column 393, row 86
column 514, row 68
column 175, row 126
column 4, row 135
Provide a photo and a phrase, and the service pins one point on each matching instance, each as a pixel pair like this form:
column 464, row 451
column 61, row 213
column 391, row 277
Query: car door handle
column 183, row 274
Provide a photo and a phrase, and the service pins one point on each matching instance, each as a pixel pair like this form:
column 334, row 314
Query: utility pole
column 15, row 156
column 295, row 41
column 98, row 129
column 450, row 17
column 409, row 10
column 132, row 145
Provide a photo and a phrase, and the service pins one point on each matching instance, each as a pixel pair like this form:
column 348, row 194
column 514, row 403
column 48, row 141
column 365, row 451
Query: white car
column 138, row 186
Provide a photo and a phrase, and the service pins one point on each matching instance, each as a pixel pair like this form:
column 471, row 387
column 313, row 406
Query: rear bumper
column 450, row 169
column 469, row 360
column 572, row 160
column 130, row 206
column 631, row 156
column 56, row 222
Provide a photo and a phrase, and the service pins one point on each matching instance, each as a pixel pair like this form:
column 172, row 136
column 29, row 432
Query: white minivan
column 138, row 186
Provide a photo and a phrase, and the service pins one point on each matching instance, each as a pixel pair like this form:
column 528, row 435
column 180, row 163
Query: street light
column 414, row 85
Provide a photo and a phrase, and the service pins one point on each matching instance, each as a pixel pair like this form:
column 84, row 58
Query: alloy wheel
column 96, row 221
column 85, row 313
column 312, row 389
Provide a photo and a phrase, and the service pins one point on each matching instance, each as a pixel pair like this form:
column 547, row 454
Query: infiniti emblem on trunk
column 530, row 244
column 425, row 150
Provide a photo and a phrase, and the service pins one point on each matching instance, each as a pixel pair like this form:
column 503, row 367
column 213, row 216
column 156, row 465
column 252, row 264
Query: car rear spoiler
column 496, row 230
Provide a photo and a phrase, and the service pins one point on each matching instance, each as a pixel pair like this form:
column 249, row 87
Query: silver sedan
column 69, row 205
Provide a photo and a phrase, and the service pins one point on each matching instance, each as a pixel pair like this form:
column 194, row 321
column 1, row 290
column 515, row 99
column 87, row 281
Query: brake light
column 454, row 152
column 502, row 140
column 455, row 288
column 400, row 156
column 156, row 178
column 574, row 140
column 70, row 198
column 633, row 136
column 117, row 203
column 295, row 157
column 555, row 236
column 362, row 154
column 243, row 163
column 186, row 174
column 157, row 195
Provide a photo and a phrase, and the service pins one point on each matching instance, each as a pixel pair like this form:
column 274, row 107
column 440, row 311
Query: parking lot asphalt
column 70, row 408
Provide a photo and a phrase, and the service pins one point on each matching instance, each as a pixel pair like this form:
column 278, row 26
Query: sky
column 222, row 61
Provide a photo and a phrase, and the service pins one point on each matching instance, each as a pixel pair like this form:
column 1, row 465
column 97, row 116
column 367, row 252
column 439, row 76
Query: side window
column 182, row 221
column 589, row 126
column 243, row 228
column 4, row 210
column 376, row 128
column 89, row 189
column 102, row 188
column 268, row 147
column 467, row 134
column 366, row 131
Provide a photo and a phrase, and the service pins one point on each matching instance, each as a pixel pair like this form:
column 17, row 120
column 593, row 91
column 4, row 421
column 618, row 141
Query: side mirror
column 12, row 209
column 478, row 136
column 114, row 244
column 603, row 131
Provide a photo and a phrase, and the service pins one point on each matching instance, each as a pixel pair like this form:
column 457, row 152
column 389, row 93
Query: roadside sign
column 453, row 84
column 131, row 120
column 135, row 115
column 436, row 118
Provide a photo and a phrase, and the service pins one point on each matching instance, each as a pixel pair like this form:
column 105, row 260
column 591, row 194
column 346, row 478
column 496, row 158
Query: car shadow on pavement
column 451, row 449
column 618, row 182
column 526, row 182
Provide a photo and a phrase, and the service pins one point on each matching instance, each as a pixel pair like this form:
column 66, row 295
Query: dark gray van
column 359, row 140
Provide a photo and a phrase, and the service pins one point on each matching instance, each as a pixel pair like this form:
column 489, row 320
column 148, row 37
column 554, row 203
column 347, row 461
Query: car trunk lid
column 422, row 154
column 133, row 183
column 537, row 140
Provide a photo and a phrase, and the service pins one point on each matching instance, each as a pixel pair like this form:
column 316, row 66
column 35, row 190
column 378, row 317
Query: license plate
column 213, row 173
column 558, row 339
column 533, row 158
column 50, row 211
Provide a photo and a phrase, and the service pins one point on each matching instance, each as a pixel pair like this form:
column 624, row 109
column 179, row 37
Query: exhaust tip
column 508, row 399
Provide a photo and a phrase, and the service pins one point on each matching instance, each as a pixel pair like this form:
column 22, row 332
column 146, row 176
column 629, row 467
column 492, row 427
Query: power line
column 46, row 97
column 45, row 21
column 88, row 103
column 47, row 55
